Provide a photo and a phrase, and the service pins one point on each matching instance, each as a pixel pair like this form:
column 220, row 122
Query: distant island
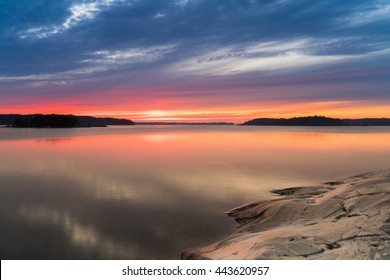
column 58, row 121
column 299, row 121
column 318, row 121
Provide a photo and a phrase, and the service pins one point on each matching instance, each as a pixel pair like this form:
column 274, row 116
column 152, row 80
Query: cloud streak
column 79, row 12
column 132, row 55
column 101, row 61
column 264, row 57
column 369, row 15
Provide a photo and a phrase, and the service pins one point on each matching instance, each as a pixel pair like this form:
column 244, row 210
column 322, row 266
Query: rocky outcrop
column 345, row 219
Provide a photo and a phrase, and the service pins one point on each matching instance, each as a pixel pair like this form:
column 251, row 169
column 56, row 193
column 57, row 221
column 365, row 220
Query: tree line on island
column 318, row 121
column 298, row 121
column 59, row 121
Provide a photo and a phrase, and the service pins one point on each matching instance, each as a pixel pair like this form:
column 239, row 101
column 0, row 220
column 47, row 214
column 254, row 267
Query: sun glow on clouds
column 188, row 115
column 336, row 109
column 236, row 114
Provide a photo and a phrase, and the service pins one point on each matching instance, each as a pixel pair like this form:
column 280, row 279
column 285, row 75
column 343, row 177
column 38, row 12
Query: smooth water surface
column 149, row 192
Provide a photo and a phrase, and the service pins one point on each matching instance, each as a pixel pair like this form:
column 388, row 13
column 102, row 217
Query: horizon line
column 157, row 121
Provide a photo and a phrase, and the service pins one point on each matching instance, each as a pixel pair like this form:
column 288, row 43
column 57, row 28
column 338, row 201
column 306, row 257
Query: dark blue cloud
column 73, row 45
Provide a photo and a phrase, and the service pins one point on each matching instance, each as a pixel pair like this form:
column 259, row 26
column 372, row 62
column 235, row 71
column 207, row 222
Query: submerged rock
column 346, row 219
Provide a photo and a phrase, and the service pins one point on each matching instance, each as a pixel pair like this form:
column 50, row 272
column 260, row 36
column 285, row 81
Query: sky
column 195, row 60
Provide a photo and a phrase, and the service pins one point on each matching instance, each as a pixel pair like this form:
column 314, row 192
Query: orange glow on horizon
column 165, row 112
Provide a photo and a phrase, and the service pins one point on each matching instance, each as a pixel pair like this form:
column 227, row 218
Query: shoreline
column 343, row 219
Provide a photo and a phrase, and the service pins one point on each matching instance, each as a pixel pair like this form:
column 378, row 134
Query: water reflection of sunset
column 160, row 179
column 174, row 153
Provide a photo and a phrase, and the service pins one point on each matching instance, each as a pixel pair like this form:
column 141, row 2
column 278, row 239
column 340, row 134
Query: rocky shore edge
column 344, row 219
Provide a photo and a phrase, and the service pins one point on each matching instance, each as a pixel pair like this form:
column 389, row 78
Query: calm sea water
column 149, row 192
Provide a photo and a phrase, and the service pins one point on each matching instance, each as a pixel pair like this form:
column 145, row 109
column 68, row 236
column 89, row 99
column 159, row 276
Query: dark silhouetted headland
column 299, row 121
column 87, row 120
column 57, row 121
column 51, row 121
